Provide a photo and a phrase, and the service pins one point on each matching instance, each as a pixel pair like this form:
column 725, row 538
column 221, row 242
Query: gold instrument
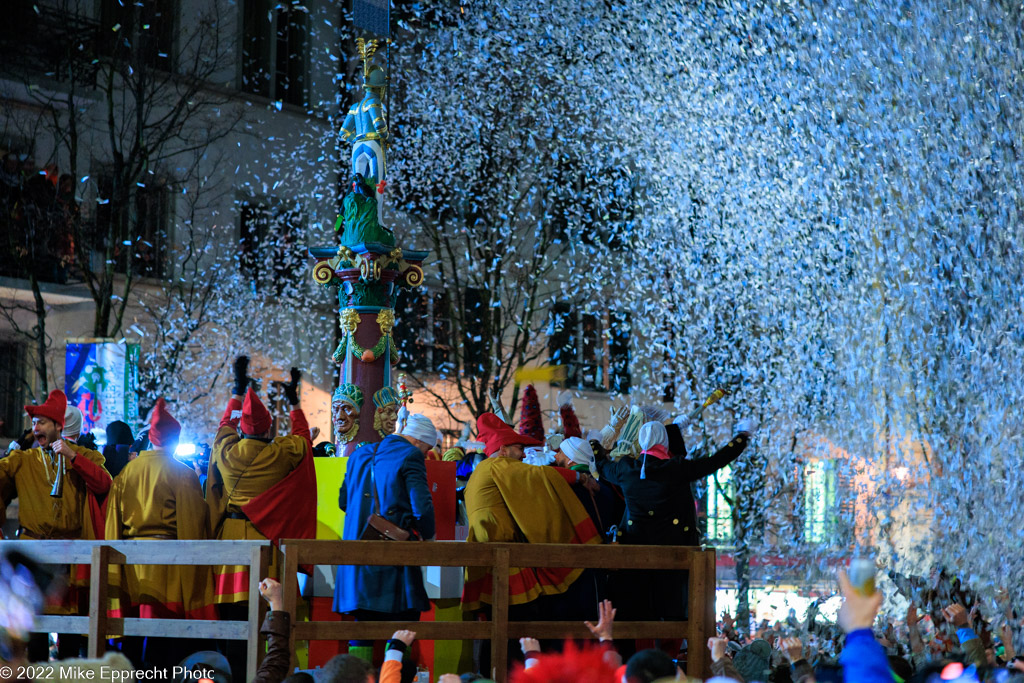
column 714, row 398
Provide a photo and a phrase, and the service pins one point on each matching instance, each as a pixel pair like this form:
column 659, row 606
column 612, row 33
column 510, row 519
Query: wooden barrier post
column 254, row 644
column 99, row 580
column 290, row 587
column 701, row 614
column 499, row 615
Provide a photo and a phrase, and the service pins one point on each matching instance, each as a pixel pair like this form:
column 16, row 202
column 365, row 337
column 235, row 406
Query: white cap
column 72, row 422
column 577, row 450
column 653, row 434
column 419, row 427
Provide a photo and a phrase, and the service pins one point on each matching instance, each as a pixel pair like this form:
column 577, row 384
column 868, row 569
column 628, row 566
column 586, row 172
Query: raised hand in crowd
column 791, row 648
column 1006, row 635
column 405, row 636
column 858, row 611
column 605, row 621
column 913, row 631
column 956, row 615
column 718, row 647
column 530, row 647
column 272, row 592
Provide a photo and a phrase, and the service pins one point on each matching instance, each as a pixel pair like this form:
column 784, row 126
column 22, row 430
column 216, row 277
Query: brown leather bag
column 377, row 527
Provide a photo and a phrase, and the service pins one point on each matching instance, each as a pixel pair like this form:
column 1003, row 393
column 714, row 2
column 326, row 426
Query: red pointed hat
column 255, row 416
column 495, row 434
column 163, row 429
column 54, row 408
column 530, row 421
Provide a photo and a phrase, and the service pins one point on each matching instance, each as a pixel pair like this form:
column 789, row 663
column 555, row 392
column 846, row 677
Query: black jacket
column 659, row 508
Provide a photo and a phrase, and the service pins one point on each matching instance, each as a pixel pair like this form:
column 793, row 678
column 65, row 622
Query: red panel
column 441, row 479
column 320, row 651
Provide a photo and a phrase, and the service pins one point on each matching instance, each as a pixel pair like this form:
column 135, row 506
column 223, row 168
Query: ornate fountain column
column 368, row 268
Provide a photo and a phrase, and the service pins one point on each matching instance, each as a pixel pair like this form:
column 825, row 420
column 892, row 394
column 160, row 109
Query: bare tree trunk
column 743, row 588
column 39, row 332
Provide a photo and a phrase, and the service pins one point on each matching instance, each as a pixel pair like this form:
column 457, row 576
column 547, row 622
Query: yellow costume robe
column 157, row 497
column 510, row 501
column 241, row 470
column 28, row 476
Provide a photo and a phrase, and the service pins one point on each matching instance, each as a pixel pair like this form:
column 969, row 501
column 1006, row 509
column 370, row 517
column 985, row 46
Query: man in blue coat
column 395, row 467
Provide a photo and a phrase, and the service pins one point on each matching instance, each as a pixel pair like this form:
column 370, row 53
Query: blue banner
column 101, row 379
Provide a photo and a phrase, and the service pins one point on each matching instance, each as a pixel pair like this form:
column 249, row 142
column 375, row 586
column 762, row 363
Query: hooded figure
column 579, row 454
column 653, row 440
column 603, row 504
column 119, row 442
column 660, row 510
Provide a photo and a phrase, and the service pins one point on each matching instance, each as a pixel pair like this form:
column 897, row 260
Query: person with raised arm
column 258, row 486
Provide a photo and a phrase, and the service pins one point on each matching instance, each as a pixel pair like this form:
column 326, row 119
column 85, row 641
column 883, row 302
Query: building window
column 269, row 238
column 719, row 511
column 139, row 30
column 594, row 348
column 820, row 484
column 274, row 50
column 12, row 387
column 140, row 236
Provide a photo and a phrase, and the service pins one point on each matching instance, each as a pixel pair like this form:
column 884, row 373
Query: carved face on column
column 344, row 416
column 386, row 415
column 385, row 418
column 345, row 406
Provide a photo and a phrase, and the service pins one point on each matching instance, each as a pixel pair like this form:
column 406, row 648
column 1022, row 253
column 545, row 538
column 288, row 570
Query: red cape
column 296, row 493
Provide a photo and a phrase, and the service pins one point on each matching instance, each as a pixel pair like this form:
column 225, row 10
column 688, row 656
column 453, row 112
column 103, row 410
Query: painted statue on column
column 366, row 126
column 368, row 268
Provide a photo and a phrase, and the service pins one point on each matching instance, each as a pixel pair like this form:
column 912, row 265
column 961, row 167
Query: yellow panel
column 545, row 373
column 330, row 473
column 452, row 656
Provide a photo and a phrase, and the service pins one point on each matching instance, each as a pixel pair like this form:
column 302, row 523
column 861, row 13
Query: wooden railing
column 499, row 557
column 101, row 554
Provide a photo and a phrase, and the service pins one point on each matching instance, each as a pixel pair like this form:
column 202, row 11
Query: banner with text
column 101, row 378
